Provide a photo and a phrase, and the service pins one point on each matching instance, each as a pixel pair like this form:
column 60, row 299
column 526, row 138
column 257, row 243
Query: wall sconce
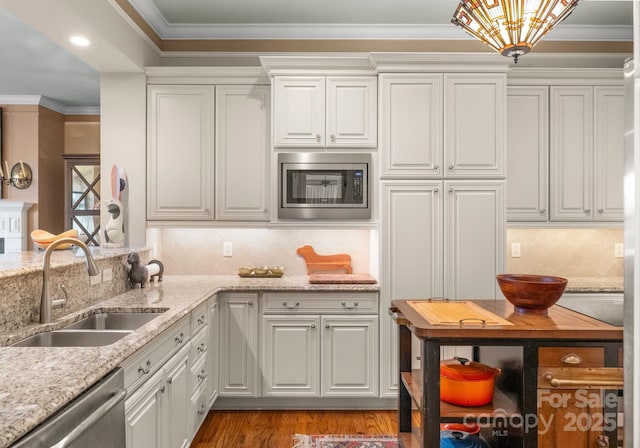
column 20, row 175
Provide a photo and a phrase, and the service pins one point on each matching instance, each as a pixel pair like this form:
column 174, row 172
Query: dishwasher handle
column 93, row 418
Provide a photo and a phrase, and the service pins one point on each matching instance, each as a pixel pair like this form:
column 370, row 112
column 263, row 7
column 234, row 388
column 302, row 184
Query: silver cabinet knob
column 162, row 389
column 318, row 137
column 313, row 325
column 435, row 190
column 542, row 211
column 600, row 210
column 180, row 338
column 451, row 167
column 588, row 211
column 327, row 326
column 250, row 302
column 333, row 138
column 436, row 167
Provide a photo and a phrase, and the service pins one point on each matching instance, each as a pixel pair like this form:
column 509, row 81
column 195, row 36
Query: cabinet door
column 242, row 188
column 144, row 414
column 411, row 258
column 411, row 125
column 179, row 153
column 474, row 125
column 213, row 350
column 177, row 394
column 349, row 356
column 352, row 112
column 291, row 355
column 609, row 153
column 474, row 238
column 238, row 344
column 299, row 111
column 571, row 153
column 528, row 153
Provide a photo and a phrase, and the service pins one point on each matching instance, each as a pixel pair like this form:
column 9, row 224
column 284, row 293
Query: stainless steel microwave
column 324, row 186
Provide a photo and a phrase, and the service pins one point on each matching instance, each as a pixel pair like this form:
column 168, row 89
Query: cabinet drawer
column 571, row 357
column 325, row 303
column 198, row 373
column 199, row 345
column 199, row 407
column 199, row 318
column 142, row 365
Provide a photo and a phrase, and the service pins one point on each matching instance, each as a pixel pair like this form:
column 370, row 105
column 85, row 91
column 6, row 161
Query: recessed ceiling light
column 80, row 41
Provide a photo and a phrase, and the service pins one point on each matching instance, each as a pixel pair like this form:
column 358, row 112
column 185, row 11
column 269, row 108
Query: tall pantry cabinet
column 442, row 212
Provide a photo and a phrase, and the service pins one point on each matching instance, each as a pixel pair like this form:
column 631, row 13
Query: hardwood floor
column 275, row 429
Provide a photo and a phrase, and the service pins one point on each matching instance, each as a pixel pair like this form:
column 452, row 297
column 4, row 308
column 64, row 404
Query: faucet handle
column 60, row 303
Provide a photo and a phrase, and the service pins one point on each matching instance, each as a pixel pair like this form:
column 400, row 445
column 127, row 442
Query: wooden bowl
column 42, row 238
column 531, row 293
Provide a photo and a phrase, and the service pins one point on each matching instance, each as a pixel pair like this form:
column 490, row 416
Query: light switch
column 618, row 250
column 227, row 249
column 515, row 250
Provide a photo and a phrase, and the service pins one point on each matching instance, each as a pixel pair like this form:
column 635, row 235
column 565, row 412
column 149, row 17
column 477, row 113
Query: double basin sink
column 99, row 329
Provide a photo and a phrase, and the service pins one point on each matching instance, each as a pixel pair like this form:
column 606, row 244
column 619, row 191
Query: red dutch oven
column 466, row 383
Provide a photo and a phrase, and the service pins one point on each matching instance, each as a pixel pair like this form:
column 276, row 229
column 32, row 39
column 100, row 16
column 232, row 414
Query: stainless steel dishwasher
column 95, row 419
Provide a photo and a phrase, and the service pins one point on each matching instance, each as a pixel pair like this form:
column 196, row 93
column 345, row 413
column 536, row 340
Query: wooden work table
column 528, row 348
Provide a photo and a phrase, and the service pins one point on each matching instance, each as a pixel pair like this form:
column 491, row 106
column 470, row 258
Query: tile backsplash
column 199, row 251
column 565, row 252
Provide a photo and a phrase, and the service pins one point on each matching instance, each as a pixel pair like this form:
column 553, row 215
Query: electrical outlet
column 515, row 250
column 227, row 249
column 95, row 279
column 107, row 275
column 618, row 250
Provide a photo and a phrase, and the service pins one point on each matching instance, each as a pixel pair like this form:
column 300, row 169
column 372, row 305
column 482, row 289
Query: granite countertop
column 595, row 285
column 37, row 381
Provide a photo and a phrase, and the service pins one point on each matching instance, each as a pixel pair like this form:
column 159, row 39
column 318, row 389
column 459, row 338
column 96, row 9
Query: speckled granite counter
column 595, row 285
column 35, row 382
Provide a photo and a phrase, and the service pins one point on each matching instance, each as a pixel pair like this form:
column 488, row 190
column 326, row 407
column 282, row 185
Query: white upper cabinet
column 242, row 153
column 179, row 153
column 586, row 153
column 474, row 125
column 608, row 149
column 411, row 130
column 527, row 153
column 442, row 125
column 319, row 112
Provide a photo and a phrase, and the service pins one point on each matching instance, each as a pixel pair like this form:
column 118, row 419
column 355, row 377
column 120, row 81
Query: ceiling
column 34, row 65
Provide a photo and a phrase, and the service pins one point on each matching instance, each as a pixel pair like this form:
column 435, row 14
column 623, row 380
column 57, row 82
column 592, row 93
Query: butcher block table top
column 557, row 323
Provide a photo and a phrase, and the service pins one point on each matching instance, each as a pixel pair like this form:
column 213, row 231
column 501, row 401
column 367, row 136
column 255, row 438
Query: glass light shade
column 511, row 27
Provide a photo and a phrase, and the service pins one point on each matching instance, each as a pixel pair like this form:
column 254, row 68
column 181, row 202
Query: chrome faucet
column 46, row 303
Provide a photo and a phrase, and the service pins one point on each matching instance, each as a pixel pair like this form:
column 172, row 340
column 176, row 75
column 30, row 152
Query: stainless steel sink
column 114, row 321
column 73, row 338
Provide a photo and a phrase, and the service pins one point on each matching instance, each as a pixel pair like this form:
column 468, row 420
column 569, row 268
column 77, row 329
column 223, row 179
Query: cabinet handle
column 436, row 167
column 290, row 307
column 451, row 167
column 162, row 389
column 612, row 383
column 206, row 210
column 333, row 138
column 202, row 348
column 435, row 190
column 146, row 371
column 417, row 358
column 600, row 210
column 588, row 211
column 202, row 375
column 572, row 359
column 313, row 325
column 250, row 303
column 542, row 211
column 318, row 136
column 344, row 304
column 450, row 189
column 202, row 409
column 180, row 338
column 327, row 326
column 201, row 320
column 170, row 380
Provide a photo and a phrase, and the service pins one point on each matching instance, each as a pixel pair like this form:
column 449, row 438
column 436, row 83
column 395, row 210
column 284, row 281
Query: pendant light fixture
column 511, row 27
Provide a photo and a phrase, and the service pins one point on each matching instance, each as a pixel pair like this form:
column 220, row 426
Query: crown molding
column 40, row 100
column 206, row 75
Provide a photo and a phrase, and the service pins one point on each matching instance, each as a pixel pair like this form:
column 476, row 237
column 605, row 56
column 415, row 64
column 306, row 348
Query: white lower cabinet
column 156, row 413
column 308, row 354
column 238, row 345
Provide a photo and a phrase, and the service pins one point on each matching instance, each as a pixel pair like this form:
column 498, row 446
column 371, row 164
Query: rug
column 345, row 441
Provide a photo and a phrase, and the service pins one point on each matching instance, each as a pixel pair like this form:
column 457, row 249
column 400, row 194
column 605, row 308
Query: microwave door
column 323, row 188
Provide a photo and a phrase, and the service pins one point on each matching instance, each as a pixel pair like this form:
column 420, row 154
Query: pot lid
column 471, row 428
column 459, row 439
column 462, row 369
